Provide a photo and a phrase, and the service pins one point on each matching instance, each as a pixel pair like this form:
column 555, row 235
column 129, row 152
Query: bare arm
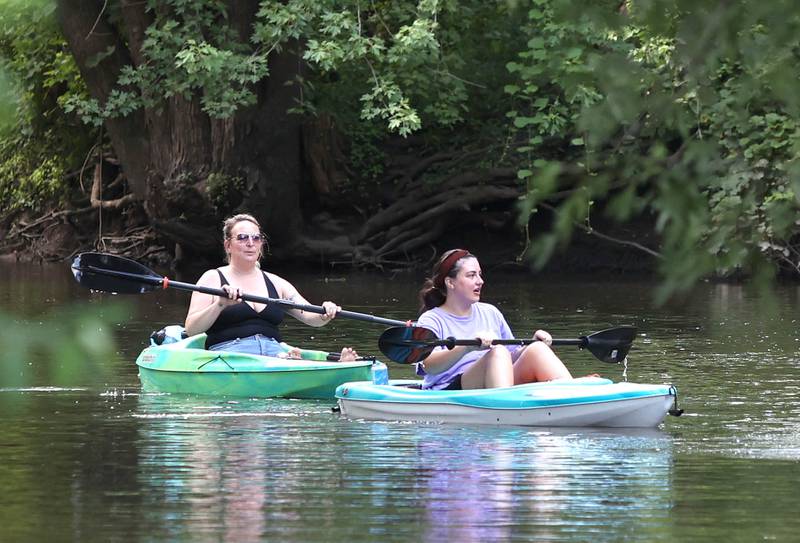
column 287, row 291
column 205, row 308
column 441, row 360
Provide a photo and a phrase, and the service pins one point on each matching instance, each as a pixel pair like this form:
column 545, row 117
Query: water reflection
column 204, row 461
column 292, row 470
column 467, row 491
column 176, row 468
column 488, row 484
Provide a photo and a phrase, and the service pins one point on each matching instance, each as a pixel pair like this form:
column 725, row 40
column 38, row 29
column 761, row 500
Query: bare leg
column 537, row 362
column 492, row 370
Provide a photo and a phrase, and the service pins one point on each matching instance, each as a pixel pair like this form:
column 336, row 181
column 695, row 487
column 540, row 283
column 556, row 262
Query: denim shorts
column 257, row 344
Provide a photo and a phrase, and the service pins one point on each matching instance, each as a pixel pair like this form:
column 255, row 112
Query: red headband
column 447, row 266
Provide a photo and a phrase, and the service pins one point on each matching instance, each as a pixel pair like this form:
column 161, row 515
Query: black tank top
column 241, row 320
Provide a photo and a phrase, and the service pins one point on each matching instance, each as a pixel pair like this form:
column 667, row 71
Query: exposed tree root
column 401, row 233
column 96, row 198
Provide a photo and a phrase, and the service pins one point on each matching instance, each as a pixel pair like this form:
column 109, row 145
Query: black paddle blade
column 111, row 273
column 407, row 344
column 610, row 345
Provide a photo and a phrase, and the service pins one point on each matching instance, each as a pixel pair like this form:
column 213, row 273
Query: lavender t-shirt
column 483, row 318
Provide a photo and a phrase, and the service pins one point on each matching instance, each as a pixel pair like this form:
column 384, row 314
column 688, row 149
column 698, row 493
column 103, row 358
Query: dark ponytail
column 433, row 292
column 430, row 296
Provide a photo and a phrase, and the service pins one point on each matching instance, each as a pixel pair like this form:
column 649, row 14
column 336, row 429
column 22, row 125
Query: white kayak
column 587, row 401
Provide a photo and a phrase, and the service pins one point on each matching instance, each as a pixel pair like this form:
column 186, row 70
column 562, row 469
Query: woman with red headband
column 452, row 307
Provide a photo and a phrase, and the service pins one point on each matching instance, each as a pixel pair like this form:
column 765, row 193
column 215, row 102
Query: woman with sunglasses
column 452, row 308
column 232, row 324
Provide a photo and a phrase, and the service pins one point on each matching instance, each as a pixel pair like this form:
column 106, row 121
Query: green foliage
column 35, row 60
column 683, row 110
column 389, row 47
column 365, row 155
column 9, row 103
column 36, row 144
column 26, row 181
column 554, row 78
column 457, row 83
column 36, row 71
column 394, row 50
column 75, row 341
column 224, row 191
column 190, row 50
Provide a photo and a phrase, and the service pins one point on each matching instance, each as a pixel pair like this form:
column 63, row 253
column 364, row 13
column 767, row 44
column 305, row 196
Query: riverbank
column 58, row 235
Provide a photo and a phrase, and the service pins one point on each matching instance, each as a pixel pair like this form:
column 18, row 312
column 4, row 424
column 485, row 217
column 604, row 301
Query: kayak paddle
column 411, row 344
column 112, row 273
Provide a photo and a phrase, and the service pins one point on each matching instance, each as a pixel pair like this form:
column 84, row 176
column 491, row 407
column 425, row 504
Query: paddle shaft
column 168, row 283
column 452, row 342
column 411, row 344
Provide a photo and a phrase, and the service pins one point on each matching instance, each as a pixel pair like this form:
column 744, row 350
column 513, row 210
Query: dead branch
column 96, row 198
column 593, row 232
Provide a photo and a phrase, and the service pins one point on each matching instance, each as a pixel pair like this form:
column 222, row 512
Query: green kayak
column 186, row 367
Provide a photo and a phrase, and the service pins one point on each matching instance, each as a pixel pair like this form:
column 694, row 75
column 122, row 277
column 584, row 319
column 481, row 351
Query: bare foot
column 348, row 355
column 293, row 353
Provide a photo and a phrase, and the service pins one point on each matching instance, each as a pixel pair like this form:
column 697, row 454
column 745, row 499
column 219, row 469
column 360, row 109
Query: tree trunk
column 90, row 36
column 167, row 153
column 170, row 153
column 268, row 152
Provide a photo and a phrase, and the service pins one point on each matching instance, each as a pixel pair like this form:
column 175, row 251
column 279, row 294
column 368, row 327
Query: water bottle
column 380, row 373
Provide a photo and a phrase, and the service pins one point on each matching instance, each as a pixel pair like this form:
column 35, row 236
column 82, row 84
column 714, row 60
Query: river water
column 84, row 456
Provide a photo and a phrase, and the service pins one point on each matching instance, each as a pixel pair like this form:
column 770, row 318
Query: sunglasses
column 255, row 238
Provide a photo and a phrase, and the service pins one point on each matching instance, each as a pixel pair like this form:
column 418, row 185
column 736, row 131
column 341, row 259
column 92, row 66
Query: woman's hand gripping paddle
column 411, row 344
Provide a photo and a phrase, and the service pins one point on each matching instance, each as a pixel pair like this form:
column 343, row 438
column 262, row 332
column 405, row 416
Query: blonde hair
column 227, row 228
column 230, row 222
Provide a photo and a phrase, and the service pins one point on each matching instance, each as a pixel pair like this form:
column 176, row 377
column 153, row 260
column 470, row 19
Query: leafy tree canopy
column 681, row 111
column 38, row 142
column 396, row 52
